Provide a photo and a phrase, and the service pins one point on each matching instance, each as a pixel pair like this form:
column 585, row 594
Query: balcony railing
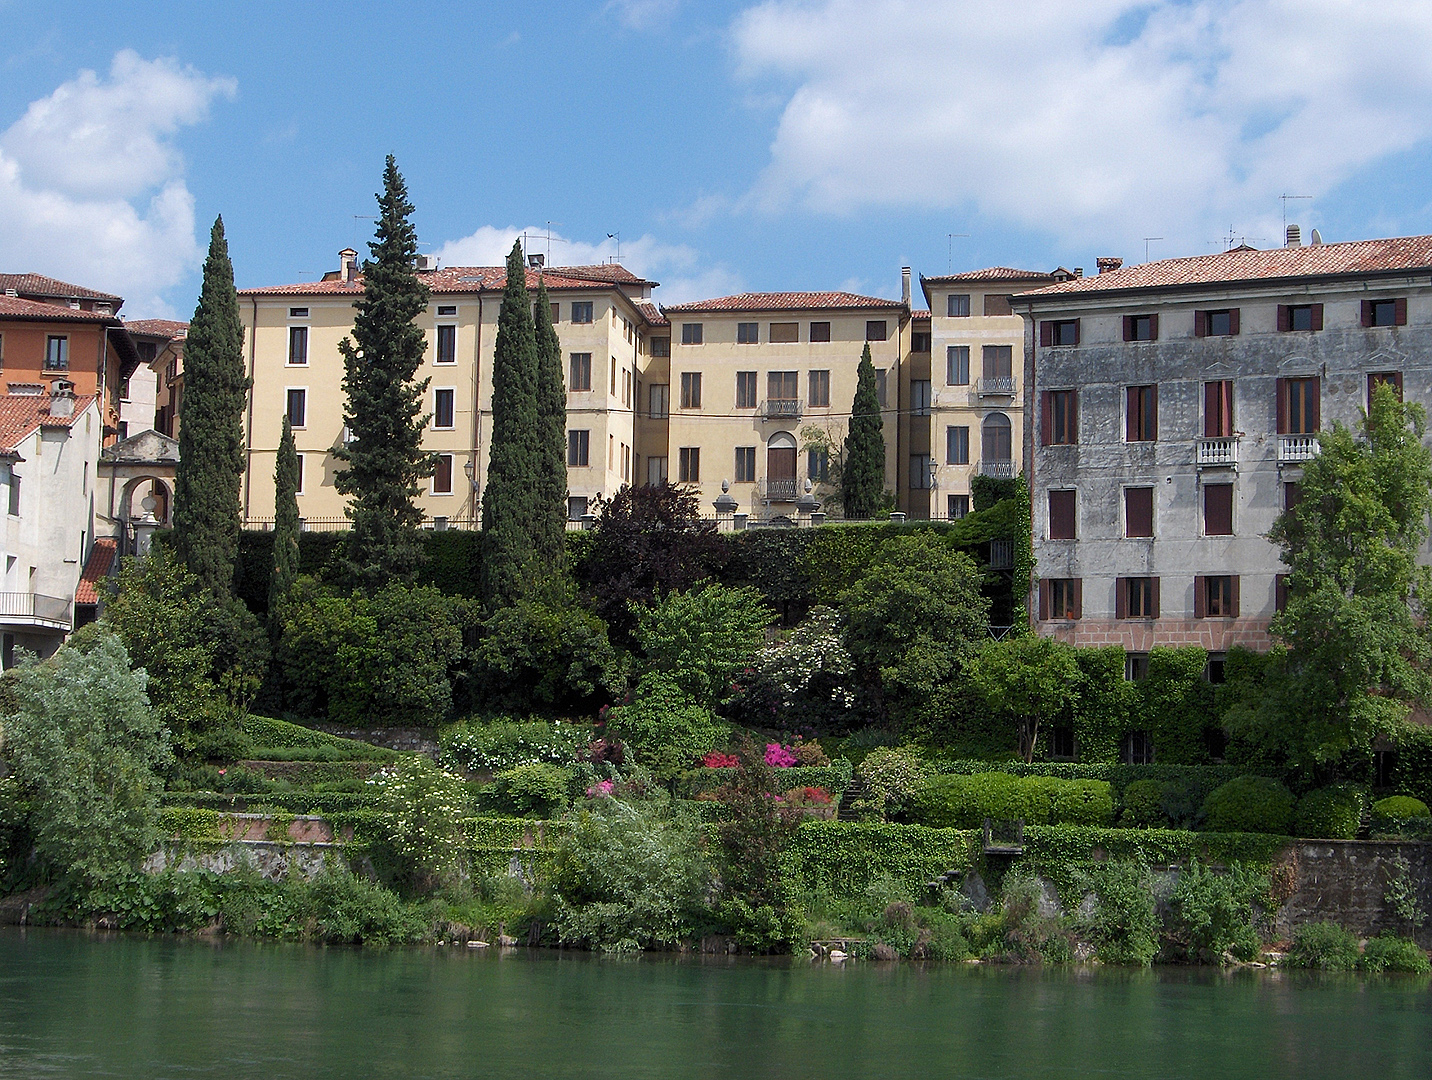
column 1297, row 448
column 997, row 386
column 1218, row 451
column 1000, row 470
column 35, row 608
column 782, row 408
column 780, row 490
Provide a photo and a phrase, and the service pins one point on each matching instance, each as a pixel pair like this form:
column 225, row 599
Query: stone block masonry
column 1347, row 881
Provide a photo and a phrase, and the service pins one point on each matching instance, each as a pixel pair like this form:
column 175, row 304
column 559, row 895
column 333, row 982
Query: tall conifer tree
column 550, row 526
column 211, row 439
column 384, row 410
column 513, row 471
column 285, row 527
column 862, row 477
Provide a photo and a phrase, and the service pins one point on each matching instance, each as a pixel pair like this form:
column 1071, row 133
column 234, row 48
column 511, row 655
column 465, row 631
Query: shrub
column 1211, row 914
column 1124, row 923
column 1143, row 805
column 702, row 639
column 963, row 802
column 502, row 744
column 421, row 809
column 532, row 656
column 1323, row 945
column 1250, row 804
column 1396, row 809
column 1388, row 952
column 534, row 790
column 1331, row 813
column 664, row 727
column 892, row 777
column 810, row 675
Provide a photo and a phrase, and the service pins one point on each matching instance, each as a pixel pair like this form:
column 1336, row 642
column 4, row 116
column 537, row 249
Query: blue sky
column 733, row 146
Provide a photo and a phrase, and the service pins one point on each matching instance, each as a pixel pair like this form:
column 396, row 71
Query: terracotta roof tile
column 1245, row 264
column 166, row 328
column 465, row 279
column 990, row 273
column 97, row 568
column 652, row 313
column 785, row 301
column 13, row 307
column 921, row 315
column 39, row 285
column 21, row 414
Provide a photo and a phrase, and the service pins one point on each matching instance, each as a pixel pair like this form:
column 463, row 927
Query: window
column 298, row 313
column 14, row 508
column 626, row 462
column 442, row 475
column 447, row 345
column 1062, row 515
column 1061, row 743
column 1060, row 425
column 124, row 391
column 818, row 464
column 297, row 407
column 783, row 333
column 689, row 465
column 1137, row 747
column 451, row 310
column 626, row 388
column 957, row 446
column 745, row 464
column 996, row 439
column 1059, row 332
column 920, row 478
column 957, row 506
column 57, row 354
column 656, row 470
column 919, row 341
column 1060, row 598
column 1218, row 409
column 1292, row 495
column 745, row 389
column 582, row 311
column 1141, row 422
column 612, row 370
column 1300, row 317
column 1216, row 672
column 998, row 363
column 957, row 305
column 299, row 489
column 579, row 448
column 659, row 401
column 881, row 394
column 576, row 507
column 661, row 346
column 297, row 345
column 782, row 385
column 691, row 333
column 1217, row 509
column 691, row 389
column 611, row 452
column 819, row 397
column 1215, row 597
column 1141, row 327
column 920, row 397
column 443, row 407
column 1138, row 512
column 1220, row 323
column 875, row 330
column 123, row 430
column 1136, row 598
column 820, row 331
column 579, row 371
column 957, row 365
column 748, row 333
column 1384, row 312
column 995, row 304
column 1299, row 406
column 1381, row 378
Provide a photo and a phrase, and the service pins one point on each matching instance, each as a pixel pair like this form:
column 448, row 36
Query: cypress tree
column 862, row 477
column 513, row 471
column 384, row 413
column 285, row 527
column 211, row 440
column 550, row 527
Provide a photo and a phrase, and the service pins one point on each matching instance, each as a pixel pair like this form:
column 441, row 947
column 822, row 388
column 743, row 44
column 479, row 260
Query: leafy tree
column 809, row 675
column 1029, row 678
column 87, row 750
column 384, row 413
column 515, row 480
column 862, row 477
column 702, row 639
column 664, row 727
column 753, row 837
column 1355, row 625
column 211, row 440
column 285, row 528
column 549, row 533
column 535, row 657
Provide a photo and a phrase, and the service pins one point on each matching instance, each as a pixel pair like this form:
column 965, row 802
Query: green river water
column 74, row 1005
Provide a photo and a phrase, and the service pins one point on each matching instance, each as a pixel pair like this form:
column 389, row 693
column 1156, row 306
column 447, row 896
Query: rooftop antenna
column 1150, row 240
column 357, row 218
column 618, row 238
column 549, row 239
column 950, row 250
column 1284, row 199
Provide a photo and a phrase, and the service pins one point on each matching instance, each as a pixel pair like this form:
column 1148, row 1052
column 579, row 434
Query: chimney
column 62, row 398
column 905, row 285
column 347, row 264
column 1295, row 236
column 1316, row 239
column 536, row 261
column 1108, row 263
column 1078, row 271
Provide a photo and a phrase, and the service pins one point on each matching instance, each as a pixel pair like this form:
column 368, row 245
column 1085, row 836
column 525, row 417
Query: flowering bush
column 809, row 796
column 778, row 757
column 505, row 744
column 421, row 808
column 715, row 759
column 810, row 673
column 891, row 777
column 602, row 789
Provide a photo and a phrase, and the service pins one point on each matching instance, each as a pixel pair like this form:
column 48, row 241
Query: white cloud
column 92, row 186
column 642, row 14
column 1107, row 118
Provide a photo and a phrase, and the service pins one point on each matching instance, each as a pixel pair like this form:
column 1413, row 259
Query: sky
column 726, row 146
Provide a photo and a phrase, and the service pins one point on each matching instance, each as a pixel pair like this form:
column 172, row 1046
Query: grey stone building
column 1173, row 405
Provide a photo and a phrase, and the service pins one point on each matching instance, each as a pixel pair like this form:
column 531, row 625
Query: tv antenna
column 1284, row 199
column 950, row 250
column 1150, row 240
column 357, row 218
column 618, row 238
column 549, row 239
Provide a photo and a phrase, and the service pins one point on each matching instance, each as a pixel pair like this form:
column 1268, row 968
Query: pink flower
column 714, row 759
column 600, row 790
column 778, row 757
column 223, row 771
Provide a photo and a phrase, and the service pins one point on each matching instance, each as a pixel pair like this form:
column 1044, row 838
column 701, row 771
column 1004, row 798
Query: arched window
column 996, row 439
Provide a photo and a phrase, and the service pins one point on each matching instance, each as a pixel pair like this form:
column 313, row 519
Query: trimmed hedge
column 843, row 857
column 322, row 803
column 265, row 732
column 1331, row 813
column 963, row 802
column 1250, row 804
column 835, row 778
column 1199, row 781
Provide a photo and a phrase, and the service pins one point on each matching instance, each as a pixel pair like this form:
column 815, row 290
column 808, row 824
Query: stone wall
column 1346, row 882
column 272, row 860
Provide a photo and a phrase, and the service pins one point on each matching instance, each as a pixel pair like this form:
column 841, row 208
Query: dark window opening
column 1061, row 744
column 1138, row 748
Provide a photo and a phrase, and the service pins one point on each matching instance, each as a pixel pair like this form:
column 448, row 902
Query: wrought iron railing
column 35, row 606
column 999, row 385
column 781, row 490
column 1000, row 470
column 783, row 408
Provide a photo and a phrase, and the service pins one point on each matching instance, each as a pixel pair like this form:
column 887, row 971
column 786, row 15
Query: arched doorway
column 781, row 467
column 996, row 446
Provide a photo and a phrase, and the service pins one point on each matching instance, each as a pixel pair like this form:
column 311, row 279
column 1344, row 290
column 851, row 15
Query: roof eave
column 1331, row 277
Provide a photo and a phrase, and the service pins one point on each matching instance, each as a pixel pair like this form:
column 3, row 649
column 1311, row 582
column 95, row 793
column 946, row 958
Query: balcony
column 780, row 490
column 1214, row 452
column 35, row 609
column 782, row 409
column 996, row 386
column 1000, row 470
column 1293, row 448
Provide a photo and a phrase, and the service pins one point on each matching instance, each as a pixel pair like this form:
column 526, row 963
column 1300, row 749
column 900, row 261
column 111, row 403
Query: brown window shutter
column 1131, row 414
column 1200, row 598
column 1046, row 334
column 1367, row 313
column 1043, row 598
column 1121, row 598
column 1153, row 327
column 1078, row 598
column 1218, row 509
column 1317, row 424
column 1234, row 590
column 1212, row 410
column 1073, row 416
column 1317, row 316
column 1076, row 331
column 1154, row 412
column 1046, row 420
column 1138, row 512
column 1285, row 319
column 1233, row 322
column 1062, row 515
column 1128, row 328
column 1282, row 406
column 1280, row 592
column 1154, row 590
column 1399, row 311
column 1200, row 324
column 1395, row 378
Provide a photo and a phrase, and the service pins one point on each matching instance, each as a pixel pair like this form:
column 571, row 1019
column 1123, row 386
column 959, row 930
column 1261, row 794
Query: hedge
column 835, row 778
column 265, row 732
column 1198, row 780
column 963, row 802
column 1250, row 804
column 322, row 803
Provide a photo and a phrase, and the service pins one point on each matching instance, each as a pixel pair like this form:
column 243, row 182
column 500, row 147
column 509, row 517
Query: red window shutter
column 1200, row 598
column 1062, row 515
column 1043, row 598
column 1076, row 331
column 1046, row 334
column 1233, row 322
column 1317, row 316
column 1282, row 406
column 1280, row 592
column 1218, row 509
column 1399, row 311
column 1153, row 327
column 1073, row 416
column 1121, row 598
column 1153, row 431
column 1154, row 589
column 1212, row 411
column 1046, row 419
column 1138, row 512
column 1234, row 580
column 1285, row 319
column 1128, row 328
column 1131, row 413
column 1200, row 324
column 1078, row 598
column 1367, row 313
column 1317, row 424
